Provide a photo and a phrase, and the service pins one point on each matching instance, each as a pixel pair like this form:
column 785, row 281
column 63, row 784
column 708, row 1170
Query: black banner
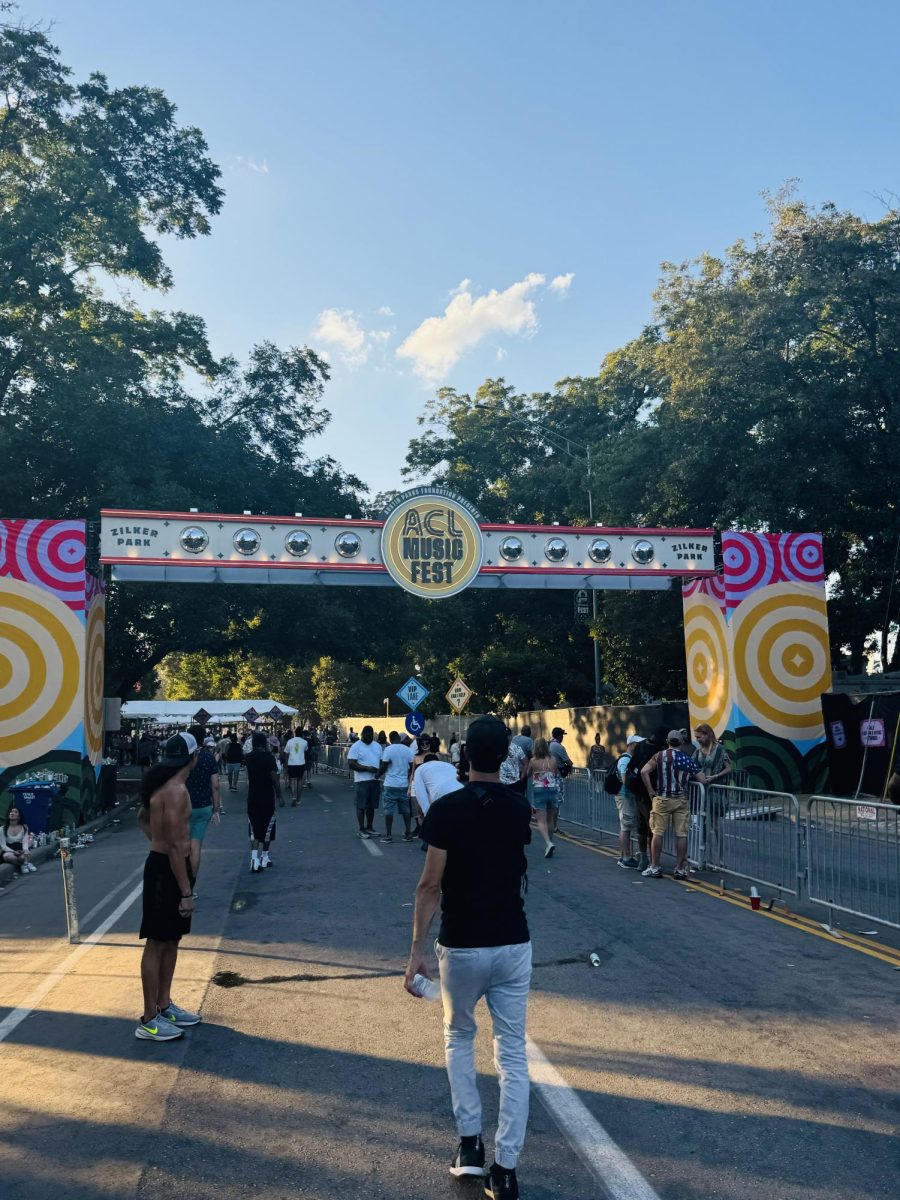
column 865, row 731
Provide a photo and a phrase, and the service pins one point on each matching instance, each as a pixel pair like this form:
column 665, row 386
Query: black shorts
column 161, row 919
column 296, row 772
column 262, row 821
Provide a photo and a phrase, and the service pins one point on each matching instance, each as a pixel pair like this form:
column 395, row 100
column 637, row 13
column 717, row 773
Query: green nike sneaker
column 158, row 1031
column 179, row 1016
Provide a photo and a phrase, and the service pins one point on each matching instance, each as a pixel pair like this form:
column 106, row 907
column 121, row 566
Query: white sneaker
column 30, row 867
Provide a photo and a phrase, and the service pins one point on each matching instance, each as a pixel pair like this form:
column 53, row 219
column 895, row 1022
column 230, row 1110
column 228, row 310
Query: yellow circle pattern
column 41, row 670
column 95, row 647
column 464, row 571
column 708, row 673
column 782, row 660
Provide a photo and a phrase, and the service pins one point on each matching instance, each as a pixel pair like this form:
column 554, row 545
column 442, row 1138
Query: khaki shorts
column 666, row 807
column 627, row 807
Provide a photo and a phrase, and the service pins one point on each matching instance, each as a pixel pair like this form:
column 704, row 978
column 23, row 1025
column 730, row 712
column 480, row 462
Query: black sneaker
column 469, row 1157
column 500, row 1184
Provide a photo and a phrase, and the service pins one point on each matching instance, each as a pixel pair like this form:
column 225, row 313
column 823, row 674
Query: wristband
column 189, row 896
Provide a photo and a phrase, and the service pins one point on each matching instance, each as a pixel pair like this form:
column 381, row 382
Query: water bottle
column 427, row 988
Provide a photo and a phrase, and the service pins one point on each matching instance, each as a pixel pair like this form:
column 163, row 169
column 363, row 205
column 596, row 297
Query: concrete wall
column 613, row 722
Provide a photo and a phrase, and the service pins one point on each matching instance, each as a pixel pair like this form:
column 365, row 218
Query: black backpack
column 643, row 752
column 613, row 781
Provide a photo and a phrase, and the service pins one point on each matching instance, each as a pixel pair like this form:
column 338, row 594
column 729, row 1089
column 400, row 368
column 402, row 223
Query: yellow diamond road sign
column 459, row 695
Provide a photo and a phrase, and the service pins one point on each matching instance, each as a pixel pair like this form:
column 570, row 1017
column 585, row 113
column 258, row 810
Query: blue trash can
column 34, row 801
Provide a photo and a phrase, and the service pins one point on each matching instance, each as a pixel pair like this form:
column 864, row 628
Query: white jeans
column 502, row 974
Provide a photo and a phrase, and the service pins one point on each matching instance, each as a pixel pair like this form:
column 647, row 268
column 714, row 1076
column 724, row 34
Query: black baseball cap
column 179, row 750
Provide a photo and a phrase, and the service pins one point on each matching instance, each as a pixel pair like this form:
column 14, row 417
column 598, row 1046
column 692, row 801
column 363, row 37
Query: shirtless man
column 168, row 888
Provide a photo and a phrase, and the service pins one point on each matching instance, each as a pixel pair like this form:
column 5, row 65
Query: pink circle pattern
column 710, row 585
column 801, row 557
column 751, row 562
column 48, row 554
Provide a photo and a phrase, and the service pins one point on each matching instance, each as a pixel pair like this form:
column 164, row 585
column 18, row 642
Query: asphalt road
column 727, row 1054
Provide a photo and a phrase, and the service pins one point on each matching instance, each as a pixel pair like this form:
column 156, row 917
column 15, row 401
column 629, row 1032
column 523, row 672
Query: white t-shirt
column 512, row 765
column 367, row 754
column 295, row 749
column 398, row 757
column 433, row 780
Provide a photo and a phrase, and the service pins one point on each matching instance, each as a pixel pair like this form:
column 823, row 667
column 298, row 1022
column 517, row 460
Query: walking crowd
column 473, row 811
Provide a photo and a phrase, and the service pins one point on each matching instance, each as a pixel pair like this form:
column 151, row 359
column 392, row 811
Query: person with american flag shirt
column 673, row 770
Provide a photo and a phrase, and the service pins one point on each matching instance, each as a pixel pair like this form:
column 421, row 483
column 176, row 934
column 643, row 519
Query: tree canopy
column 763, row 395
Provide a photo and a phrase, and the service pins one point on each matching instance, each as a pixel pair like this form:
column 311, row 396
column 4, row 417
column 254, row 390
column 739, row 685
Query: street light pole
column 593, row 589
column 534, row 424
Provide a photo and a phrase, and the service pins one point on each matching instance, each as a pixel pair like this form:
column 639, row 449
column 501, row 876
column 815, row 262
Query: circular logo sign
column 431, row 542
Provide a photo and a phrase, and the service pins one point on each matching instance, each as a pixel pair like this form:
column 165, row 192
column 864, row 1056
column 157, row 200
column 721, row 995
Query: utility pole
column 593, row 589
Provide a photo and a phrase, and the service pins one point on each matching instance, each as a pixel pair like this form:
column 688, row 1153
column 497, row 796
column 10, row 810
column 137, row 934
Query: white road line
column 18, row 1015
column 92, row 912
column 587, row 1137
column 371, row 847
column 322, row 796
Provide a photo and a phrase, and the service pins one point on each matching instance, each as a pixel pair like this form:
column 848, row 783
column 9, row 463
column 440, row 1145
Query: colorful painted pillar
column 52, row 630
column 758, row 659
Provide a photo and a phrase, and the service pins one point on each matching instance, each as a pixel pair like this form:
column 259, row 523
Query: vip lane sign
column 413, row 693
column 459, row 695
column 431, row 543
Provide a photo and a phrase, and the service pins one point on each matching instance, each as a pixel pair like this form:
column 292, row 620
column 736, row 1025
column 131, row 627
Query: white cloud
column 439, row 342
column 251, row 164
column 561, row 283
column 341, row 328
column 501, row 354
column 386, row 311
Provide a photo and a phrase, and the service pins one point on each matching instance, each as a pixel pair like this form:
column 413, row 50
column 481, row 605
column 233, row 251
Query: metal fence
column 853, row 857
column 587, row 802
column 333, row 759
column 754, row 833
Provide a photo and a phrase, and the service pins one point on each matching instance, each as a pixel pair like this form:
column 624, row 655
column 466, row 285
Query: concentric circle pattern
column 781, row 659
column 711, row 585
column 801, row 557
column 49, row 554
column 750, row 562
column 95, row 647
column 706, row 648
column 40, row 671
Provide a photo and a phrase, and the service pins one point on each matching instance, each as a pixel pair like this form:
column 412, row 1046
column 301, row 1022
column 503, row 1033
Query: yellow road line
column 805, row 924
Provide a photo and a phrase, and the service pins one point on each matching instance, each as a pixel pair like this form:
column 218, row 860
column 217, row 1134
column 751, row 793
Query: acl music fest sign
column 431, row 543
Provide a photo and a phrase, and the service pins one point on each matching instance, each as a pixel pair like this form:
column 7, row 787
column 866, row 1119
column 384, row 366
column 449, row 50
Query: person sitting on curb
column 14, row 842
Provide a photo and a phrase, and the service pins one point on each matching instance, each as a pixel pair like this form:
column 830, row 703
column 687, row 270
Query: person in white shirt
column 434, row 779
column 364, row 759
column 295, row 749
column 395, row 760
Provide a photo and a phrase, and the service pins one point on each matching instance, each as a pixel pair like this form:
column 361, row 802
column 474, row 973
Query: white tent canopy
column 181, row 712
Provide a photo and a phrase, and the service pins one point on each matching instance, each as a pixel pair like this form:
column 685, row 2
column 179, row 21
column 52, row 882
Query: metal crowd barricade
column 754, row 833
column 335, row 761
column 853, row 857
column 576, row 797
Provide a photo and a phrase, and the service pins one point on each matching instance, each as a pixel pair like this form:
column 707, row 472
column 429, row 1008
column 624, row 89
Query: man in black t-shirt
column 476, row 867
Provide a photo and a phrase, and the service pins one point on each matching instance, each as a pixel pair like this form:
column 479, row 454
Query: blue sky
column 434, row 193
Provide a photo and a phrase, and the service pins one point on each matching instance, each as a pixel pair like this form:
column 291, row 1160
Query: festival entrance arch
column 756, row 629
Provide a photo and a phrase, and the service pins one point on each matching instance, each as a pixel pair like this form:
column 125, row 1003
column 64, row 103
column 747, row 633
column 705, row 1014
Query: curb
column 42, row 853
